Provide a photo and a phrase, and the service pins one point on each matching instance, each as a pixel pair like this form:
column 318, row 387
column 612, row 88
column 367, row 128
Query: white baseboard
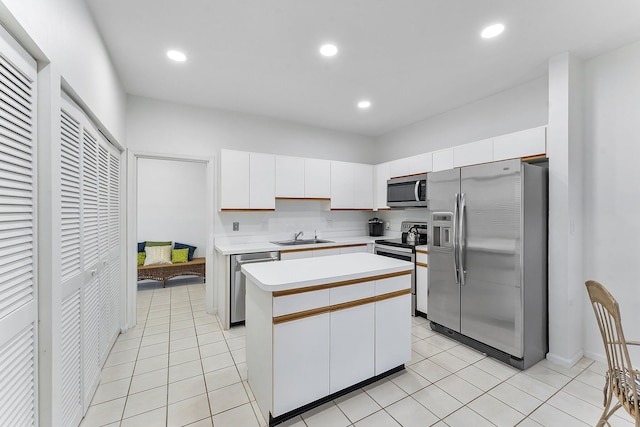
column 563, row 361
column 598, row 357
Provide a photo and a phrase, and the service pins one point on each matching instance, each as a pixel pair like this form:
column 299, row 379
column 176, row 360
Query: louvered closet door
column 103, row 248
column 114, row 242
column 18, row 301
column 90, row 257
column 91, row 304
column 72, row 277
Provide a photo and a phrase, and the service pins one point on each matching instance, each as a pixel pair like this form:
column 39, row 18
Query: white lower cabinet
column 421, row 288
column 422, row 280
column 352, row 346
column 287, row 255
column 297, row 346
column 326, row 252
column 333, row 250
column 353, row 249
column 393, row 331
column 305, row 345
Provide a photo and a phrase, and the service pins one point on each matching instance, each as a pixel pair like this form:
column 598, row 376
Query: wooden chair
column 622, row 381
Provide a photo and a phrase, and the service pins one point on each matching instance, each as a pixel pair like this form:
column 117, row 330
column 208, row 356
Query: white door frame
column 130, row 296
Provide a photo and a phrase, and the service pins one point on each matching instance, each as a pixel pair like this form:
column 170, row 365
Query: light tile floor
column 178, row 367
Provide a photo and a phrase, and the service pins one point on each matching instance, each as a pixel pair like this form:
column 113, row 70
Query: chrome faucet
column 301, row 233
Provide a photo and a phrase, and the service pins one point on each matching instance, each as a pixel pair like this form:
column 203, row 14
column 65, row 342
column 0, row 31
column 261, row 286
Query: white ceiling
column 412, row 58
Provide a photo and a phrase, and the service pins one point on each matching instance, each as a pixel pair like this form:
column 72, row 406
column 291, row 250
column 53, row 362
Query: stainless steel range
column 414, row 233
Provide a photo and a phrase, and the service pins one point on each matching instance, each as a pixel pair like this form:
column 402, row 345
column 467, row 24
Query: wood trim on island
column 338, row 284
column 336, row 307
column 421, row 264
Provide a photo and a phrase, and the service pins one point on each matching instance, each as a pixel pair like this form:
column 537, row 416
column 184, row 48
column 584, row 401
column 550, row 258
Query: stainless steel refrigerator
column 488, row 258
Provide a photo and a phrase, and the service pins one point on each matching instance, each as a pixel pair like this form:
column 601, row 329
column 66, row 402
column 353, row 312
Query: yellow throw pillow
column 157, row 255
column 179, row 255
column 141, row 258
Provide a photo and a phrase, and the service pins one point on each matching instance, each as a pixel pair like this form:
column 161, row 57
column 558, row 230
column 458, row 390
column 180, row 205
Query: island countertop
column 297, row 273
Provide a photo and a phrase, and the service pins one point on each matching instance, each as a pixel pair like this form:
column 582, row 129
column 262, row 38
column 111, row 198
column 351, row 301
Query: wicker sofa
column 164, row 272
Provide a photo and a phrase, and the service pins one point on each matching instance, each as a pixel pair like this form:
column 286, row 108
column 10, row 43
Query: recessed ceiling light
column 328, row 50
column 176, row 56
column 364, row 104
column 492, row 31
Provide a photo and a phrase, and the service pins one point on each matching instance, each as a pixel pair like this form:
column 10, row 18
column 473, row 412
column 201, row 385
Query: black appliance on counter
column 376, row 227
column 401, row 249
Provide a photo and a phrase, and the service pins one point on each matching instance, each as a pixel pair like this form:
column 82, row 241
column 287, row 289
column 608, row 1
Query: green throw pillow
column 141, row 257
column 158, row 244
column 179, row 255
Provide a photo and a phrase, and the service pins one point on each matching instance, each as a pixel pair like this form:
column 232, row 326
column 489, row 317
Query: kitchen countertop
column 299, row 273
column 245, row 248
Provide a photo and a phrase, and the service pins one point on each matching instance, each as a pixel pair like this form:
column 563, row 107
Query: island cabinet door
column 393, row 323
column 393, row 333
column 352, row 346
column 300, row 362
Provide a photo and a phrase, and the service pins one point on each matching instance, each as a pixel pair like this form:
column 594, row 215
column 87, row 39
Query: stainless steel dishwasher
column 238, row 281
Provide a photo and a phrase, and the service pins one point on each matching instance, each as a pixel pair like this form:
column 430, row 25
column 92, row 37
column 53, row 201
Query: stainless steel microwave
column 407, row 191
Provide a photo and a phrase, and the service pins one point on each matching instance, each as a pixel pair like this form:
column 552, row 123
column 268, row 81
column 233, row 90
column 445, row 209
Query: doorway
column 170, row 199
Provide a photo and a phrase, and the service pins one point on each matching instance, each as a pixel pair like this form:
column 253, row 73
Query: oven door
column 404, row 254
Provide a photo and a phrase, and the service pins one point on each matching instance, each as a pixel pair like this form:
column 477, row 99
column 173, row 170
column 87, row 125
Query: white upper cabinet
column 262, row 171
column 341, row 185
column 473, row 153
column 299, row 178
column 317, row 179
column 382, row 174
column 362, row 186
column 234, row 179
column 247, row 180
column 421, row 163
column 290, row 176
column 351, row 185
column 399, row 167
column 530, row 142
column 443, row 159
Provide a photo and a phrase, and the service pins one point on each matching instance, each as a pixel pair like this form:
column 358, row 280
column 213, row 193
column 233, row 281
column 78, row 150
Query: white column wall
column 564, row 149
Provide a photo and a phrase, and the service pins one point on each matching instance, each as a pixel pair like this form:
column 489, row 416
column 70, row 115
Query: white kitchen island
column 320, row 327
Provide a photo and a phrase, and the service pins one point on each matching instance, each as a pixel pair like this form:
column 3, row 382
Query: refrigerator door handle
column 462, row 238
column 456, row 261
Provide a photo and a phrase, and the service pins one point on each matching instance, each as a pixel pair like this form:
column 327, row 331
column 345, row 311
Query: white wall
column 169, row 128
column 611, row 183
column 171, row 202
column 519, row 108
column 62, row 32
column 165, row 128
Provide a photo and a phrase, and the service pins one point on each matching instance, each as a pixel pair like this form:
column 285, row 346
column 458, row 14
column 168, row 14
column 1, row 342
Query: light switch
column 236, row 226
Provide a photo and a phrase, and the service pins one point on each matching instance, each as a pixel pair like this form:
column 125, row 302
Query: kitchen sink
column 301, row 242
